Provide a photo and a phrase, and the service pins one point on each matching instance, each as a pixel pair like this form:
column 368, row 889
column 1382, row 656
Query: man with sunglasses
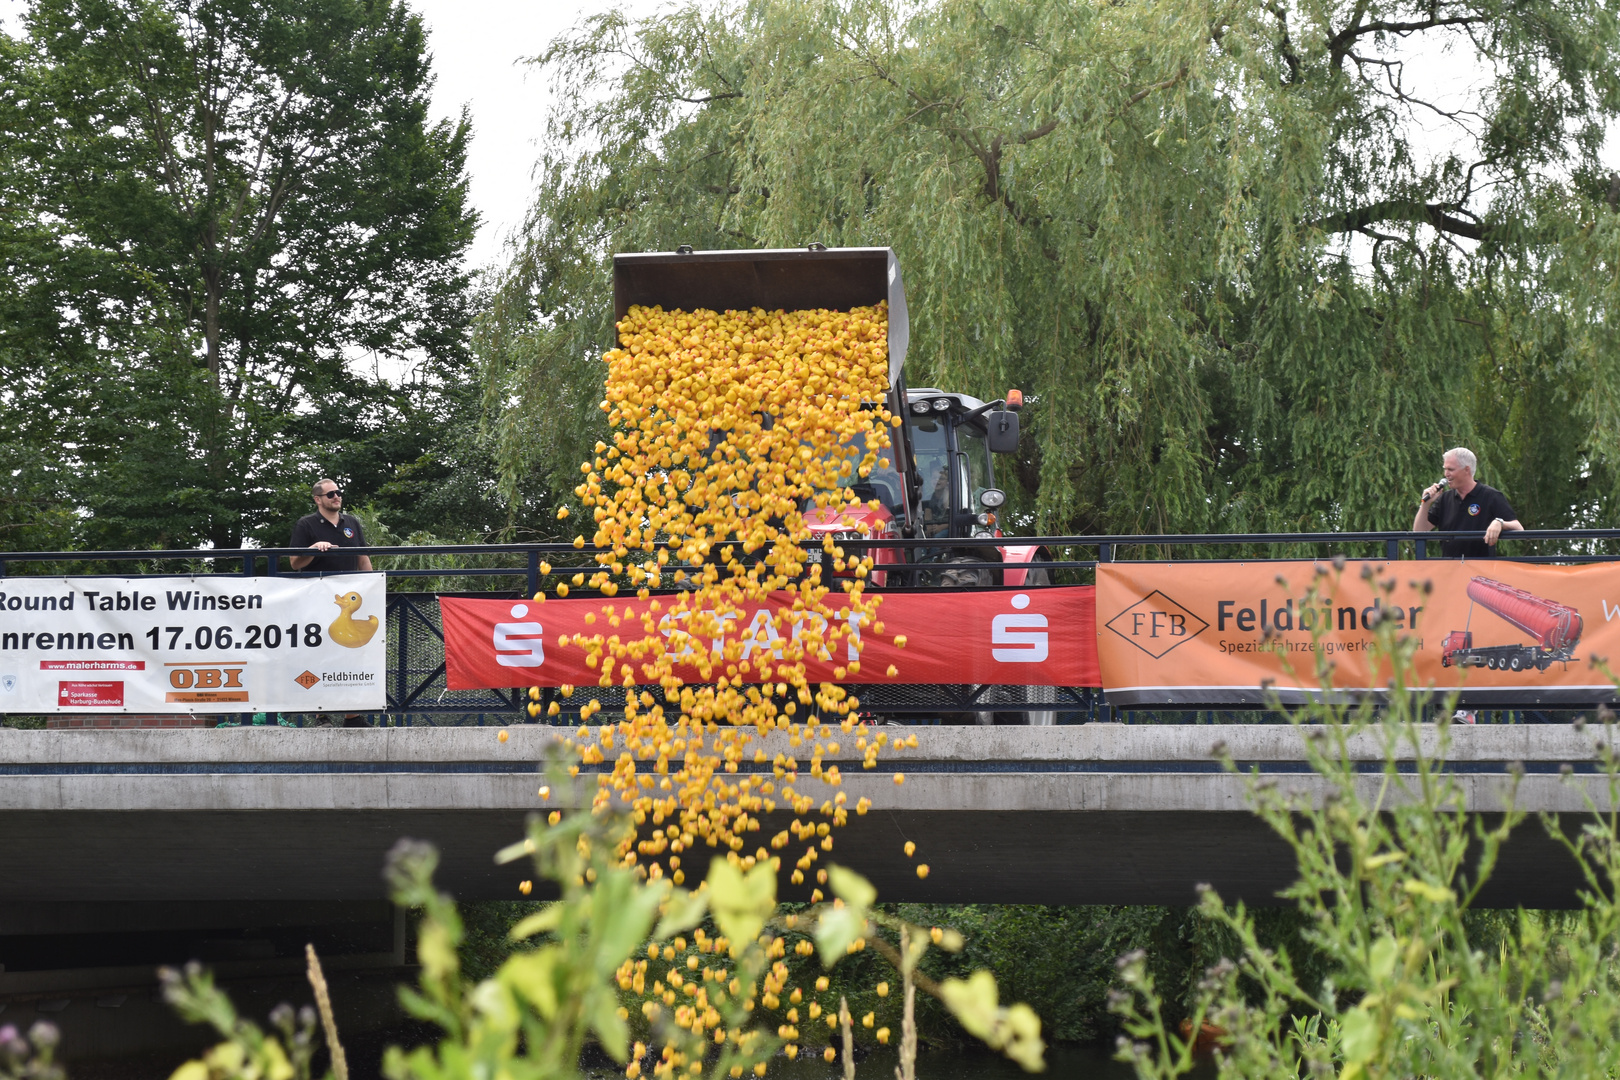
column 326, row 529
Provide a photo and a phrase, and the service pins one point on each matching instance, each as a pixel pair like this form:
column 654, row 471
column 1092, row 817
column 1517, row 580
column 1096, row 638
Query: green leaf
column 493, row 1001
column 973, row 1002
column 436, row 952
column 682, row 911
column 534, row 976
column 1024, row 1044
column 545, row 919
column 1015, row 1031
column 851, row 888
column 191, row 1070
column 839, row 926
column 622, row 913
column 514, row 852
column 1434, row 894
column 613, row 1032
column 1358, row 1035
column 1381, row 958
column 741, row 902
column 836, row 929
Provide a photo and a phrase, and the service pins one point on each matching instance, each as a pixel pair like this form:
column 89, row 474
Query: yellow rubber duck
column 347, row 630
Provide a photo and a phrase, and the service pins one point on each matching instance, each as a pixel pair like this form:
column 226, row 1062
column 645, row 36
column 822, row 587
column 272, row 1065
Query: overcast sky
column 478, row 52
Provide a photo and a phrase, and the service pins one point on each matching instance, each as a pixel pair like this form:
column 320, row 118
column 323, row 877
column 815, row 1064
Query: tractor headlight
column 941, row 404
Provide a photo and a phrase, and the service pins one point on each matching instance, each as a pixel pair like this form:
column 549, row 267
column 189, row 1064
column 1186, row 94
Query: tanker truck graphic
column 1556, row 628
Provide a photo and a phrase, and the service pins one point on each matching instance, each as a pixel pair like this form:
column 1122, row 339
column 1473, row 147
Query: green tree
column 218, row 213
column 1256, row 269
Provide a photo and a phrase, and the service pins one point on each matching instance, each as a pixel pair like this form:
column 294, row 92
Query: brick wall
column 129, row 720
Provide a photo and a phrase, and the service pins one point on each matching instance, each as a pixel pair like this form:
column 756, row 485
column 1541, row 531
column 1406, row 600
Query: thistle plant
column 29, row 1056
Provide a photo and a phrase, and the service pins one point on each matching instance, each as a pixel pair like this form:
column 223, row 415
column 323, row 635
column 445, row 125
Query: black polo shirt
column 313, row 528
column 1450, row 512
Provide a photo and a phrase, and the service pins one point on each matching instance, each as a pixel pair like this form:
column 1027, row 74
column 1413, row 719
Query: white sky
column 478, row 51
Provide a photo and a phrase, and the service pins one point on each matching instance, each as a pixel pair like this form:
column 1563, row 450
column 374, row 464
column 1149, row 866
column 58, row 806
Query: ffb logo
column 1156, row 624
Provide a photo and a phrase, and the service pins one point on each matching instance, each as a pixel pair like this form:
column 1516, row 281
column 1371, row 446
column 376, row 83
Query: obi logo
column 206, row 678
column 1025, row 634
column 1156, row 624
column 519, row 644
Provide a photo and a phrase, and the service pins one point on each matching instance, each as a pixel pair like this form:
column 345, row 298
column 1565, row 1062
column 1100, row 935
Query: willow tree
column 1257, row 263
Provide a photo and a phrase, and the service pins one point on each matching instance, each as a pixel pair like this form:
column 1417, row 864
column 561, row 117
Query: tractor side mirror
column 1001, row 430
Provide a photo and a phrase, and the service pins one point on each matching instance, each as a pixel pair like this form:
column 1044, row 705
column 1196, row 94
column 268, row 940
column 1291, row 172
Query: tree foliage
column 1258, row 263
column 218, row 214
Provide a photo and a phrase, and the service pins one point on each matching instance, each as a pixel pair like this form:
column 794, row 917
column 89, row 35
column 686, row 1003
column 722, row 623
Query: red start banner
column 1002, row 637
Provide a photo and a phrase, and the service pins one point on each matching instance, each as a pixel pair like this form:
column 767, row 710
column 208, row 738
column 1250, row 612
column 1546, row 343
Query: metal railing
column 416, row 687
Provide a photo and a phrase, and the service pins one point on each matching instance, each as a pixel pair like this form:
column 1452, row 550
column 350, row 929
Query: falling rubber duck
column 347, row 630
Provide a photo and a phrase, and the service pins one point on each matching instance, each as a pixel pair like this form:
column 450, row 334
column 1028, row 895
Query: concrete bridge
column 1097, row 813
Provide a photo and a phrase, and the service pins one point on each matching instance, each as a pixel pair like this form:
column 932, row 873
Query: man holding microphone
column 1459, row 503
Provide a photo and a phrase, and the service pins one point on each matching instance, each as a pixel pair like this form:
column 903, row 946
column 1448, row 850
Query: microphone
column 1443, row 486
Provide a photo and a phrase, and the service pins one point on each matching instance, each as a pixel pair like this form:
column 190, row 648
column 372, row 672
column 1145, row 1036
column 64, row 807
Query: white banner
column 206, row 644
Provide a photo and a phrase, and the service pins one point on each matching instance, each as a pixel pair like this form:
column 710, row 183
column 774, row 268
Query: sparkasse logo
column 1156, row 624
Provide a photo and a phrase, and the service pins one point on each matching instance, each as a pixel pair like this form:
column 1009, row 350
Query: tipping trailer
column 1556, row 628
column 941, row 478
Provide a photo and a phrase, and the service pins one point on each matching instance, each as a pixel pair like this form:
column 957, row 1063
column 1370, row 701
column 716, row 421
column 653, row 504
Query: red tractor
column 1556, row 628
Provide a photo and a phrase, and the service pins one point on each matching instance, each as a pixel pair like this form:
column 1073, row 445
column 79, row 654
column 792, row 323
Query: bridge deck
column 1098, row 813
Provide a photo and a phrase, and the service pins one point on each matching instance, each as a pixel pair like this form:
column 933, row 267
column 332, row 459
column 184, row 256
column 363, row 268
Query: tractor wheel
column 1516, row 664
column 965, row 577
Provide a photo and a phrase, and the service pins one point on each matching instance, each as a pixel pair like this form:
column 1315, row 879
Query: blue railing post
column 249, row 564
column 1105, row 552
column 534, row 573
column 1422, row 549
column 1392, row 550
column 272, row 564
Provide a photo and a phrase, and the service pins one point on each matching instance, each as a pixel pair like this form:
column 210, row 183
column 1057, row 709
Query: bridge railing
column 416, row 688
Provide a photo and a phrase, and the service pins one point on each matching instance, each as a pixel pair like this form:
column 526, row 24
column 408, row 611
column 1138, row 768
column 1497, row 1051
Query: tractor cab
column 953, row 471
column 936, row 479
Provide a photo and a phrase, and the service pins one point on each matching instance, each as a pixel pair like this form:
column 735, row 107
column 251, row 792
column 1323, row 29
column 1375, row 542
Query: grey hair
column 1465, row 458
column 315, row 488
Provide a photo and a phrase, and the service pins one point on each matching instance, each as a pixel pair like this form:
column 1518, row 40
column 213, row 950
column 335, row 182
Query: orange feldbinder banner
column 1506, row 633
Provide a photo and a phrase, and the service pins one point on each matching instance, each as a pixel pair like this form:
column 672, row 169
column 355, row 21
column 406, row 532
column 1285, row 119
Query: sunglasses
column 335, row 493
